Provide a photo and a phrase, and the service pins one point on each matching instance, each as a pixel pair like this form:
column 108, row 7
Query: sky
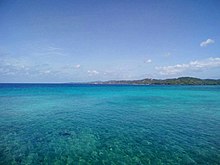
column 81, row 41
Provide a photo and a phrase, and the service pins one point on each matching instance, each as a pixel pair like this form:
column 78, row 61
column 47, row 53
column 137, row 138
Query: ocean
column 109, row 124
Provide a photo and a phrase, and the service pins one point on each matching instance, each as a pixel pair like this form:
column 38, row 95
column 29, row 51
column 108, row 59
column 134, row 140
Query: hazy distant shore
column 173, row 81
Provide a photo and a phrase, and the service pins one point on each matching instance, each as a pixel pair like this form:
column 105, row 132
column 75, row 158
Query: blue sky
column 75, row 41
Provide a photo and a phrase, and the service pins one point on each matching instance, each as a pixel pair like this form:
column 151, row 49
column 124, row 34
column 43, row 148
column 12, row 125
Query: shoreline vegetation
column 173, row 81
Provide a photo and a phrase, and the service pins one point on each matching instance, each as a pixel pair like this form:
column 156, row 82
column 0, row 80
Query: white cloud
column 193, row 65
column 92, row 72
column 77, row 66
column 148, row 61
column 207, row 42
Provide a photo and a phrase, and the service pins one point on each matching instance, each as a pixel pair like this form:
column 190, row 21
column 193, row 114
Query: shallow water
column 93, row 124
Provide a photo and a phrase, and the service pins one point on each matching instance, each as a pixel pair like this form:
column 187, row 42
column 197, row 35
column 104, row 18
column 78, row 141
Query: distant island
column 173, row 81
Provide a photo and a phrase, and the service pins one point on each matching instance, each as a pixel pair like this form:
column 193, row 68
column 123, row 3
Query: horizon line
column 87, row 82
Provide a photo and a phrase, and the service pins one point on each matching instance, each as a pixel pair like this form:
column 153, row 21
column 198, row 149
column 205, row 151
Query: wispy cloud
column 25, row 67
column 22, row 67
column 47, row 52
column 207, row 42
column 70, row 67
column 167, row 54
column 52, row 48
column 193, row 65
column 77, row 66
column 93, row 72
column 148, row 61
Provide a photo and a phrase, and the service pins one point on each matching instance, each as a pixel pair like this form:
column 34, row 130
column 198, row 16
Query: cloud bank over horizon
column 197, row 65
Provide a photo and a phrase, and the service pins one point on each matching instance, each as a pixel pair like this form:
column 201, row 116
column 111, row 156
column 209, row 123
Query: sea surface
column 109, row 124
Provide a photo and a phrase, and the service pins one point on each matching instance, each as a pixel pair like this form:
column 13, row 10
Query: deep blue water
column 108, row 124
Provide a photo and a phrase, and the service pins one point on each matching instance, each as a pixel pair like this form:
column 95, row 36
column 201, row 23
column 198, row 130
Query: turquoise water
column 91, row 124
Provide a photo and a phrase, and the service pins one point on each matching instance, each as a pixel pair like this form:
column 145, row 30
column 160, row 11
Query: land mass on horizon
column 171, row 81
